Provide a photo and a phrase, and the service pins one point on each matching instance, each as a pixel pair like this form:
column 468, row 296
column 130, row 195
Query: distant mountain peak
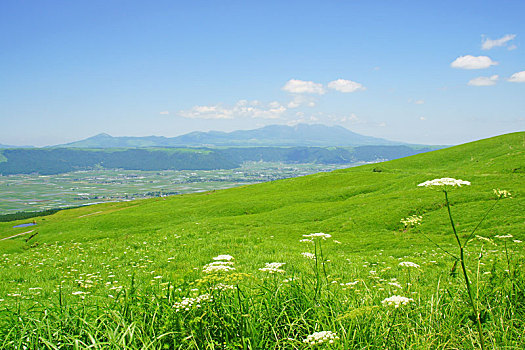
column 271, row 135
column 102, row 135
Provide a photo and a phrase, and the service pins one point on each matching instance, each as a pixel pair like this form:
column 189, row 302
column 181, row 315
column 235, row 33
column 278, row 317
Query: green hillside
column 142, row 249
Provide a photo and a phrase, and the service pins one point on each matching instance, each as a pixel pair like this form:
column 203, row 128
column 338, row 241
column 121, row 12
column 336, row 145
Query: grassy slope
column 360, row 207
column 124, row 257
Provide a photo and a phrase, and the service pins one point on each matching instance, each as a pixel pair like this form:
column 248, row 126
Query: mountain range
column 272, row 135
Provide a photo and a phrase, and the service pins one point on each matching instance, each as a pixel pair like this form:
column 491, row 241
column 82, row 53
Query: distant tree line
column 27, row 215
column 60, row 160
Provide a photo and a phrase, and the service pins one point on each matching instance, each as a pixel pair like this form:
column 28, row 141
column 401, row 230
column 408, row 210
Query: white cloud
column 343, row 85
column 303, row 87
column 488, row 44
column 419, row 102
column 473, row 62
column 512, row 47
column 351, row 118
column 422, row 118
column 164, row 113
column 484, row 81
column 302, row 120
column 518, row 77
column 301, row 100
column 242, row 109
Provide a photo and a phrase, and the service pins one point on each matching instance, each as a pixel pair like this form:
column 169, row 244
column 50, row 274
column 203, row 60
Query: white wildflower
column 502, row 193
column 318, row 338
column 412, row 221
column 409, row 264
column 272, row 267
column 485, row 239
column 349, row 283
column 516, row 241
column 395, row 284
column 222, row 286
column 308, row 255
column 318, row 234
column 503, row 236
column 444, row 181
column 306, row 240
column 224, row 257
column 187, row 304
column 217, row 268
column 396, row 301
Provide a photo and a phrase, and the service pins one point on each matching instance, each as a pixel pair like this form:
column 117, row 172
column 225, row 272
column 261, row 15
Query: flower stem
column 463, row 267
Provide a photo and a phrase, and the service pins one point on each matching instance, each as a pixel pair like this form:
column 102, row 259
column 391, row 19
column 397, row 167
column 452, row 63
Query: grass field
column 142, row 274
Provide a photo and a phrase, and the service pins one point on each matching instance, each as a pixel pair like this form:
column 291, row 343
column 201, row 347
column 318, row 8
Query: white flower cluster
column 396, row 301
column 222, row 286
column 306, row 240
column 502, row 193
column 395, row 284
column 503, row 236
column 318, row 338
column 223, row 257
column 188, row 303
column 308, row 255
column 485, row 239
column 273, row 267
column 412, row 221
column 318, row 235
column 409, row 264
column 444, row 181
column 218, row 265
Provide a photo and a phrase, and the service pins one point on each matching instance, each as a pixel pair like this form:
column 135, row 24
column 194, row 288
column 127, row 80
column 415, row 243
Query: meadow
column 358, row 258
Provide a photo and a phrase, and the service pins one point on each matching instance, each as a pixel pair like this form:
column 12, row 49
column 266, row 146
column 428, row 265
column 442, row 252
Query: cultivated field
column 40, row 192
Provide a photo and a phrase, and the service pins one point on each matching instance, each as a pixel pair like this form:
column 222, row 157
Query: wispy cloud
column 473, row 62
column 301, row 100
column 518, row 77
column 346, row 86
column 296, row 86
column 242, row 109
column 487, row 44
column 484, row 81
column 164, row 113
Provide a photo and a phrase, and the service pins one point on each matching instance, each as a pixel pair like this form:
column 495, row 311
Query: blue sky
column 433, row 72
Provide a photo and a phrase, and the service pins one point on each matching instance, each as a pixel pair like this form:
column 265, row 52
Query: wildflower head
column 444, row 182
column 485, row 239
column 396, row 301
column 187, row 304
column 318, row 235
column 409, row 264
column 503, row 236
column 502, row 193
column 412, row 221
column 218, row 267
column 308, row 255
column 319, row 338
column 272, row 268
column 223, row 257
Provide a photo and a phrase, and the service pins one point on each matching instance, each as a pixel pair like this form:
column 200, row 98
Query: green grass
column 136, row 260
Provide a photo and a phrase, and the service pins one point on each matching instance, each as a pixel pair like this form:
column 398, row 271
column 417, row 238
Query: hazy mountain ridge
column 272, row 135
